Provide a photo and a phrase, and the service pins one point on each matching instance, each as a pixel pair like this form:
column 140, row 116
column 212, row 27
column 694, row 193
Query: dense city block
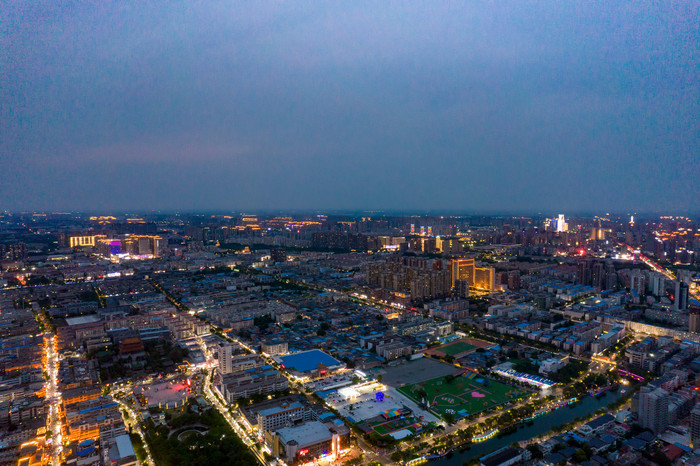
column 241, row 339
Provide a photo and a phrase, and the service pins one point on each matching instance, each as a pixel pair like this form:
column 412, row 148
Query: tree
column 580, row 456
column 536, row 452
column 380, row 378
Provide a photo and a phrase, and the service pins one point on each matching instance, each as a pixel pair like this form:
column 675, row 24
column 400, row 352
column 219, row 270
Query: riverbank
column 529, row 429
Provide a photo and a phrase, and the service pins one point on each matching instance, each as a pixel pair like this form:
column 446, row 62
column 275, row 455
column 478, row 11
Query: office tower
column 653, row 409
column 413, row 229
column 422, row 231
column 462, row 269
column 561, row 224
column 156, row 245
column 485, row 278
column 681, row 300
column 430, row 231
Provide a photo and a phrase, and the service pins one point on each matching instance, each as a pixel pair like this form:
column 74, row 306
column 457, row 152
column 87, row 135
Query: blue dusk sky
column 401, row 105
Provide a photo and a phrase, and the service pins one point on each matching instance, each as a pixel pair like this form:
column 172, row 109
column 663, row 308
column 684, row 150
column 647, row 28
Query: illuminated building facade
column 107, row 247
column 306, row 442
column 562, row 226
column 82, row 241
column 484, row 278
column 463, row 269
column 481, row 278
column 422, row 278
column 142, row 245
column 132, row 245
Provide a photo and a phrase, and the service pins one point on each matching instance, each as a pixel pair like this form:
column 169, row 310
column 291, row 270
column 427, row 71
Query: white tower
column 561, row 223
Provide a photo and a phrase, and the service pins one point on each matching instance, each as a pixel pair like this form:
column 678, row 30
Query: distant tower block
column 561, row 224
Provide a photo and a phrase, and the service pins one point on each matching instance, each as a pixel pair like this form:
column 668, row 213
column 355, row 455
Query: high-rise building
column 225, row 358
column 107, row 247
column 638, row 282
column 17, row 251
column 429, row 245
column 681, row 298
column 561, row 224
column 484, row 278
column 694, row 320
column 695, row 427
column 598, row 275
column 278, row 255
column 653, row 409
column 597, row 232
column 461, row 288
column 657, row 283
column 462, row 269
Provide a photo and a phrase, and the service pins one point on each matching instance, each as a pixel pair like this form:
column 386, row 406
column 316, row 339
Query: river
column 539, row 426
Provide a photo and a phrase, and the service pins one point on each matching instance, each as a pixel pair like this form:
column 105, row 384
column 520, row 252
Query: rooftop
column 307, row 361
column 305, row 434
column 83, row 319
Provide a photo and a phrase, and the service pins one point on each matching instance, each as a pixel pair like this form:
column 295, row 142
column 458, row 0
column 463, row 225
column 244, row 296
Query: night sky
column 472, row 106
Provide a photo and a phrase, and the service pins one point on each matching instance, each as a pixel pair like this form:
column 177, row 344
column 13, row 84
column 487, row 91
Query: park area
column 458, row 348
column 463, row 395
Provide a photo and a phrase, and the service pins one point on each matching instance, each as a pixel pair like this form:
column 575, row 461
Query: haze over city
column 494, row 107
column 349, row 233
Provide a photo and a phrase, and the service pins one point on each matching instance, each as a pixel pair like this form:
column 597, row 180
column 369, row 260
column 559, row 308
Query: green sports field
column 463, row 393
column 386, row 427
column 456, row 348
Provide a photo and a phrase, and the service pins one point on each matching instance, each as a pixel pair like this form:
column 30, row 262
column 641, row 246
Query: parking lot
column 417, row 371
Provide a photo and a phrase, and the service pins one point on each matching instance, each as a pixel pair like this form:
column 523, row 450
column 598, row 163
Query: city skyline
column 482, row 108
column 244, row 338
column 349, row 233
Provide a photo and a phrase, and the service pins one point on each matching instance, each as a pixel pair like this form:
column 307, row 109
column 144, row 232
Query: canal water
column 539, row 426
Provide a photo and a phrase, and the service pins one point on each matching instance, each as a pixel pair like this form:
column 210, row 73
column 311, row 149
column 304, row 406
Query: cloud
column 357, row 105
